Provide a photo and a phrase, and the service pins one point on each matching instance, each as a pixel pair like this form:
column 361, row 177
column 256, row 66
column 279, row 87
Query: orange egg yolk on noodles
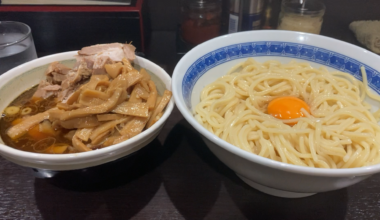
column 287, row 107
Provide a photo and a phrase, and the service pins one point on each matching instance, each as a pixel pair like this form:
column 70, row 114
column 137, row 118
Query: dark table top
column 176, row 176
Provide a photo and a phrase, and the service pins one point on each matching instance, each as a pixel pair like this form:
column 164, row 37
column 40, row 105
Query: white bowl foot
column 272, row 191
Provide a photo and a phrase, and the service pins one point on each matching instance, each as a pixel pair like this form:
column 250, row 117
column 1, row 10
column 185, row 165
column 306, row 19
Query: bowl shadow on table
column 119, row 189
column 190, row 184
column 202, row 191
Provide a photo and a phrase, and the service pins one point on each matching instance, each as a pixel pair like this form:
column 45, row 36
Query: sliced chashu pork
column 62, row 81
column 56, row 73
column 73, row 81
column 64, row 85
column 45, row 90
column 97, row 56
column 115, row 51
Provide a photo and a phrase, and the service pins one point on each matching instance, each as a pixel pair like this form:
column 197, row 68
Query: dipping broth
column 97, row 103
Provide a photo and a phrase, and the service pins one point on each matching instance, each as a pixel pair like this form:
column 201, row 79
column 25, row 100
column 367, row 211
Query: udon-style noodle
column 340, row 132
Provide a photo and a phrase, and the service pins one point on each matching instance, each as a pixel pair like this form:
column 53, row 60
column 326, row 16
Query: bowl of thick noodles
column 81, row 109
column 291, row 113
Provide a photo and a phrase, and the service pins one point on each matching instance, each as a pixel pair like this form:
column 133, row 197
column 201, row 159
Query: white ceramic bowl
column 23, row 77
column 212, row 59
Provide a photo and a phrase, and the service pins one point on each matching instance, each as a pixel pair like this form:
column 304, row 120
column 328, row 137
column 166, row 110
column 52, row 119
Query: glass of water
column 16, row 45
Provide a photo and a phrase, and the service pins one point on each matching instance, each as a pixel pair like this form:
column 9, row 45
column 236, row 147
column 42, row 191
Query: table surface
column 176, row 176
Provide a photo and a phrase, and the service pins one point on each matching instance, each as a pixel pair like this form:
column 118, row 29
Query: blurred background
column 154, row 26
column 339, row 14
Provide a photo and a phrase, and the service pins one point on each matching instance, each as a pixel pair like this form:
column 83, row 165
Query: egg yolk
column 287, row 107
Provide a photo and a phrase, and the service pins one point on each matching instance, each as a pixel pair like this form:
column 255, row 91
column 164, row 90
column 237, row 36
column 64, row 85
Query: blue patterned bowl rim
column 275, row 48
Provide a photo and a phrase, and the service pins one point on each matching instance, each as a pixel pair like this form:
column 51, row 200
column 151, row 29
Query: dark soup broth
column 52, row 140
column 84, row 107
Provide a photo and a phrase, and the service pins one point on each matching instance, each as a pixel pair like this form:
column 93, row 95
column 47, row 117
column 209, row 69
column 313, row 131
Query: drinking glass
column 16, row 45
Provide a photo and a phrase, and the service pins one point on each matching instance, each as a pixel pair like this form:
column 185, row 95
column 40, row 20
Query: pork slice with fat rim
column 97, row 56
column 95, row 49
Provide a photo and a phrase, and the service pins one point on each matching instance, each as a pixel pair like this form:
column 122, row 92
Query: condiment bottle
column 245, row 15
column 301, row 15
column 271, row 12
column 200, row 20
